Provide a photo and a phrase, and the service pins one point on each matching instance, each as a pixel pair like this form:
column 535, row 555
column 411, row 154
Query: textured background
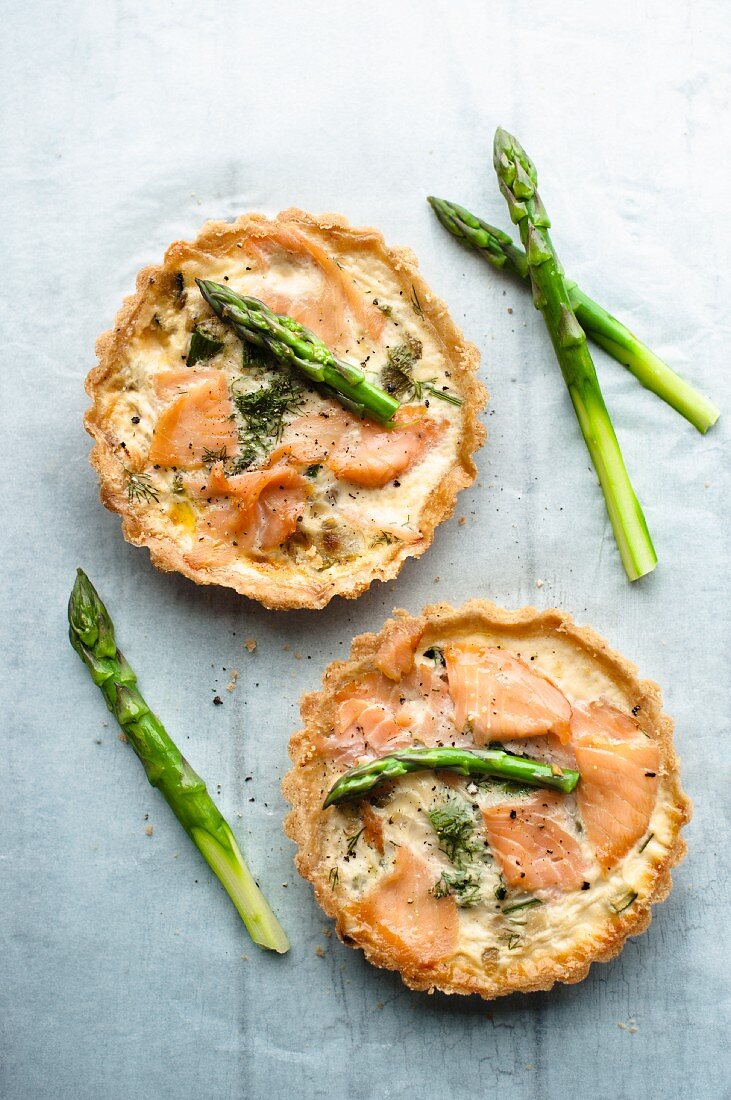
column 125, row 971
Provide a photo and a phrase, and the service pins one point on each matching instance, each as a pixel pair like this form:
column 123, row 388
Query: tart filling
column 233, row 469
column 480, row 884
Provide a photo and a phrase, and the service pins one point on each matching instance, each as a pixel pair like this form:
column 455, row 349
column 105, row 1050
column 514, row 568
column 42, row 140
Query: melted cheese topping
column 489, row 938
column 341, row 522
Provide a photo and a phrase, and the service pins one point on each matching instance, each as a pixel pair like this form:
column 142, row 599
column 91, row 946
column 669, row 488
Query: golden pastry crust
column 276, row 584
column 312, row 775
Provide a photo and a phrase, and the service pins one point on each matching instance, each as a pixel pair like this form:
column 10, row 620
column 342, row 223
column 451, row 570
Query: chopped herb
column 454, row 824
column 353, row 841
column 178, row 284
column 463, row 886
column 209, row 456
column 140, row 487
column 436, row 655
column 512, row 939
column 397, row 377
column 312, row 471
column 254, row 357
column 263, row 411
column 500, row 890
column 202, row 347
column 645, row 842
column 177, row 485
column 443, row 395
column 415, row 301
column 522, row 905
column 386, row 309
column 385, row 538
column 620, row 904
column 333, row 877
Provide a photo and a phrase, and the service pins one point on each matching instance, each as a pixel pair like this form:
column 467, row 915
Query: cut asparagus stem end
column 361, row 780
column 600, row 326
column 633, row 538
column 253, row 908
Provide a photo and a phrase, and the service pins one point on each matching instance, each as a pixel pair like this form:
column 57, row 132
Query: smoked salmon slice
column 325, row 307
column 405, row 915
column 170, row 383
column 311, row 438
column 500, row 697
column 619, row 777
column 531, row 844
column 375, row 716
column 198, row 420
column 360, row 451
column 366, row 720
column 371, row 456
column 256, row 510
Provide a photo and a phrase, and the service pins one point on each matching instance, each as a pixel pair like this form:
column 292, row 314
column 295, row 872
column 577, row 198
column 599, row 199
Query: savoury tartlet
column 480, row 885
column 234, row 472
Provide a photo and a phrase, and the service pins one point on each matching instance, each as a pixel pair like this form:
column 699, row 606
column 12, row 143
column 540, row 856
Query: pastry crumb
column 320, row 952
column 539, row 583
column 122, row 737
column 148, row 830
column 232, row 682
column 250, row 644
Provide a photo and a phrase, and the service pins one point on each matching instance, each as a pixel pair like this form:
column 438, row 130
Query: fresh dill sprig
column 262, row 412
column 415, row 302
column 210, row 456
column 397, row 377
column 353, row 841
column 140, row 487
column 463, row 886
column 454, row 824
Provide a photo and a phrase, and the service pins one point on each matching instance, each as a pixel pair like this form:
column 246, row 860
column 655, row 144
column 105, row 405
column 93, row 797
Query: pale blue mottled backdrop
column 125, row 971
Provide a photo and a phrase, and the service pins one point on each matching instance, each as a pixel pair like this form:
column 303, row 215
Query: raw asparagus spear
column 292, row 343
column 599, row 325
column 92, row 635
column 518, row 182
column 359, row 781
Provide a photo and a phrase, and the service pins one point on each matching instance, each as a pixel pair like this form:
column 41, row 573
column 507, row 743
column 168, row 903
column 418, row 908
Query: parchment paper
column 126, row 972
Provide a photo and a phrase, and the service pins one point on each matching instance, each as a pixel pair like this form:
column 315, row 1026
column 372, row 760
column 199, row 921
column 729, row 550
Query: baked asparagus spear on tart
column 284, row 408
column 486, row 801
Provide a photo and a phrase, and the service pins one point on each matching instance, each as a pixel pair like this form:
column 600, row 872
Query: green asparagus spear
column 599, row 325
column 518, row 182
column 359, row 781
column 92, row 635
column 293, row 344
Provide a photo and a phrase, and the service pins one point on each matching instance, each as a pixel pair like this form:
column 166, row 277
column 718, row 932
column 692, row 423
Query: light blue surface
column 125, row 971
